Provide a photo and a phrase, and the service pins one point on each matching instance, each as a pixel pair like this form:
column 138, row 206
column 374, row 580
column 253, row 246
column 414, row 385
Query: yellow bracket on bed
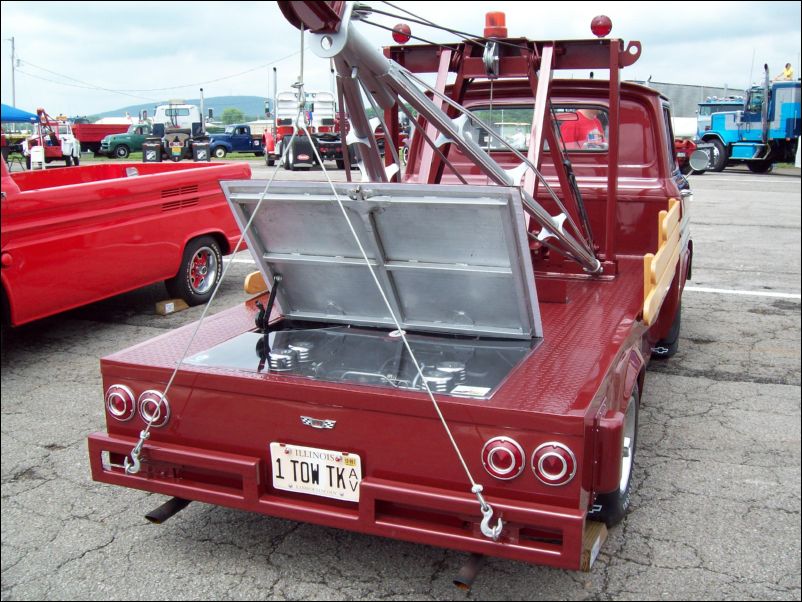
column 659, row 268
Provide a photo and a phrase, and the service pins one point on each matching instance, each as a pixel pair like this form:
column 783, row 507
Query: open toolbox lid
column 451, row 259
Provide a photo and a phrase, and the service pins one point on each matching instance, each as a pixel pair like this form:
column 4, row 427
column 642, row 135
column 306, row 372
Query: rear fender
column 628, row 375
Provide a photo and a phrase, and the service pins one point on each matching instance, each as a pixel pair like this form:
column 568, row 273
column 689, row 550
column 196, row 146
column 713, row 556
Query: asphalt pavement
column 716, row 508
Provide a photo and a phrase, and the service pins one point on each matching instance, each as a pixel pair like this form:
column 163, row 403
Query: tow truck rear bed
column 219, row 452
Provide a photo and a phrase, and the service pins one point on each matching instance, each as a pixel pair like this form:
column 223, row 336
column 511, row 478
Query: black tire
column 67, row 161
column 76, row 161
column 270, row 161
column 219, row 152
column 340, row 164
column 610, row 508
column 122, row 151
column 285, row 159
column 199, row 273
column 667, row 347
column 290, row 163
column 763, row 166
column 27, row 162
column 685, row 169
column 719, row 158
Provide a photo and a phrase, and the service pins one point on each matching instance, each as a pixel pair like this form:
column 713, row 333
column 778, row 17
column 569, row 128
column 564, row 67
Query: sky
column 80, row 58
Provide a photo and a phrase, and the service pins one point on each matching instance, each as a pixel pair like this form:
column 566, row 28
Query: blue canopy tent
column 13, row 114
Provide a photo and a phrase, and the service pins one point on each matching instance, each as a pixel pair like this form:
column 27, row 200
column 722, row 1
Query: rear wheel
column 201, row 266
column 68, row 161
column 611, row 507
column 762, row 166
column 719, row 158
column 340, row 164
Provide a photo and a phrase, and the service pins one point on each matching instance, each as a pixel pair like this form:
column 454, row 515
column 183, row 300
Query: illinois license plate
column 315, row 471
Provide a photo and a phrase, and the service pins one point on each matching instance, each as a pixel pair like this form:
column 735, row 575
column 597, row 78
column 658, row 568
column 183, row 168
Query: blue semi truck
column 765, row 131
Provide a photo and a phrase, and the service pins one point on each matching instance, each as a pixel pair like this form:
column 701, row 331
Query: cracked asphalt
column 715, row 513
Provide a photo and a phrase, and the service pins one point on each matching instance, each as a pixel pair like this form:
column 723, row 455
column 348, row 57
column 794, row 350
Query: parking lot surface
column 716, row 509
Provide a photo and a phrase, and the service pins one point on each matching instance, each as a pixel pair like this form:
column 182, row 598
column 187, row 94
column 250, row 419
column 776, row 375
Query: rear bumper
column 534, row 533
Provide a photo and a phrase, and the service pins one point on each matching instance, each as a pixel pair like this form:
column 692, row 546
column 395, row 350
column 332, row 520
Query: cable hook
column 135, row 464
column 487, row 515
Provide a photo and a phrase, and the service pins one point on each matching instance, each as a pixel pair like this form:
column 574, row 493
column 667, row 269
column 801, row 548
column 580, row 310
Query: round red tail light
column 554, row 463
column 120, row 402
column 601, row 26
column 154, row 408
column 503, row 458
column 402, row 33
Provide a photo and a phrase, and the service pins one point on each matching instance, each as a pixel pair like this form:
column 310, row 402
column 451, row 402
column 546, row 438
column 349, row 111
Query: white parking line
column 724, row 291
column 753, row 180
column 239, row 260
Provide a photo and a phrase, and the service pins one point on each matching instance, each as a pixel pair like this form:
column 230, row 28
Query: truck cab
column 122, row 145
column 235, row 138
column 177, row 115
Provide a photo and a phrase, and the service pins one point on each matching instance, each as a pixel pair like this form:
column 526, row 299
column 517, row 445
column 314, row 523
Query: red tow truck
column 55, row 137
column 455, row 356
column 75, row 236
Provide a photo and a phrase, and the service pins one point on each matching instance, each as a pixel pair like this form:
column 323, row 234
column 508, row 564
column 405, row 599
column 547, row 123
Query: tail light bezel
column 558, row 450
column 128, row 397
column 492, row 447
column 162, row 406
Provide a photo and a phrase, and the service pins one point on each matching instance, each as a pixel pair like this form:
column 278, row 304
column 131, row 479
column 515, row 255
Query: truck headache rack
column 451, row 259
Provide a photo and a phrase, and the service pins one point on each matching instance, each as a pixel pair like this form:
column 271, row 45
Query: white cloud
column 147, row 45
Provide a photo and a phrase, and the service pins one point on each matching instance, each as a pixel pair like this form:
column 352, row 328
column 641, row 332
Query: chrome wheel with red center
column 199, row 272
column 203, row 273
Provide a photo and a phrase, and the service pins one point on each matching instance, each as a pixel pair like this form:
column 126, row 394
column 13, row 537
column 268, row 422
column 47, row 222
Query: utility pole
column 13, row 67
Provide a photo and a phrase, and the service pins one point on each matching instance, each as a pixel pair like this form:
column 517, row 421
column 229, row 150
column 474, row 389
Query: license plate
column 176, row 150
column 315, row 471
column 680, row 155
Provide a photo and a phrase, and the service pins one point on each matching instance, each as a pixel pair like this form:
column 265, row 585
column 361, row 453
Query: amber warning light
column 495, row 25
column 601, row 26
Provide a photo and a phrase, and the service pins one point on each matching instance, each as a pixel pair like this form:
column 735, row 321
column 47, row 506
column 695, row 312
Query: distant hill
column 250, row 105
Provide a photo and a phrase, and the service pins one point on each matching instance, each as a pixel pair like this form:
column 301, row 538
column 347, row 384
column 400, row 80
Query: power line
column 84, row 87
column 176, row 87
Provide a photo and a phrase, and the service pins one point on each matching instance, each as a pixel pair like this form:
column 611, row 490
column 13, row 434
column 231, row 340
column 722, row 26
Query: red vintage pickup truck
column 455, row 357
column 76, row 236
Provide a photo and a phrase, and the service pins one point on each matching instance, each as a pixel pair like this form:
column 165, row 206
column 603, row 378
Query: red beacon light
column 402, row 33
column 495, row 25
column 601, row 26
